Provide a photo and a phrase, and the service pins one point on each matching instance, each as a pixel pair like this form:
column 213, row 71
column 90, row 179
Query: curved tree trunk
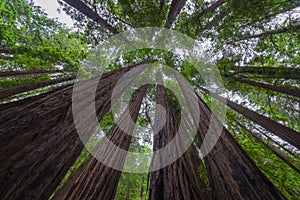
column 231, row 172
column 98, row 181
column 40, row 145
column 7, row 92
column 284, row 90
column 285, row 133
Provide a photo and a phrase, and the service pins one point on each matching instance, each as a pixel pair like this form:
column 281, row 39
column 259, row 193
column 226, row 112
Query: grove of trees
column 45, row 72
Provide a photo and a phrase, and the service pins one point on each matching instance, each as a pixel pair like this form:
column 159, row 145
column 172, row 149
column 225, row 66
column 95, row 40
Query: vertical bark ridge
column 98, row 181
column 43, row 143
column 7, row 92
column 179, row 180
column 231, row 172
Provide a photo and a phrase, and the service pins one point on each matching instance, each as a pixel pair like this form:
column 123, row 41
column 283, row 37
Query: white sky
column 51, row 7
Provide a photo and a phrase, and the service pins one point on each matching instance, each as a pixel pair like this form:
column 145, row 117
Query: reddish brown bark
column 98, row 181
column 175, row 9
column 285, row 133
column 39, row 142
column 24, row 73
column 87, row 11
column 7, row 92
column 284, row 90
column 72, row 179
column 26, row 101
column 231, row 172
column 179, row 180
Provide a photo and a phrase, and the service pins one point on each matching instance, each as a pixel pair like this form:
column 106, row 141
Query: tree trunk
column 273, row 72
column 179, row 180
column 40, row 145
column 231, row 172
column 24, row 73
column 284, row 90
column 87, row 11
column 175, row 9
column 98, row 181
column 285, row 133
column 277, row 153
column 274, row 32
column 73, row 178
column 7, row 92
column 209, row 9
column 29, row 100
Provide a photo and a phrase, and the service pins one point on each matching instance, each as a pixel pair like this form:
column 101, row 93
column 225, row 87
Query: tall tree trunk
column 179, row 180
column 87, row 11
column 98, row 181
column 277, row 153
column 274, row 72
column 24, row 73
column 285, row 133
column 39, row 142
column 231, row 172
column 29, row 100
column 295, row 27
column 175, row 9
column 284, row 90
column 73, row 178
column 7, row 92
column 210, row 8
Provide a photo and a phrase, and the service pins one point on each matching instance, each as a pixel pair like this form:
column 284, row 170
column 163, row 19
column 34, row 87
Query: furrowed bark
column 87, row 11
column 284, row 90
column 179, row 180
column 7, row 92
column 26, row 101
column 40, row 145
column 175, row 9
column 285, row 133
column 231, row 172
column 98, row 181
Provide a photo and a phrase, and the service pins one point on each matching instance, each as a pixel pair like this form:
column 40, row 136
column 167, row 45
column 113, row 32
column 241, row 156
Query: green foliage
column 35, row 41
